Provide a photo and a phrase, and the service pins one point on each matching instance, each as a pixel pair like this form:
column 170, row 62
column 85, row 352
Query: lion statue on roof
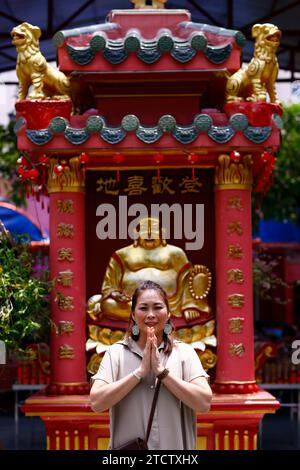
column 259, row 77
column 33, row 69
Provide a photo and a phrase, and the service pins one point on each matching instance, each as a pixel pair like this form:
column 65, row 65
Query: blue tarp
column 17, row 222
column 272, row 231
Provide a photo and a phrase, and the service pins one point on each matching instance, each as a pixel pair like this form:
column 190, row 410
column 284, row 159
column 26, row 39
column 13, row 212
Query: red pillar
column 234, row 290
column 67, row 272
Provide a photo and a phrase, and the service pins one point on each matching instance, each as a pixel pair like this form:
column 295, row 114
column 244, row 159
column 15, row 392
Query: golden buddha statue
column 150, row 257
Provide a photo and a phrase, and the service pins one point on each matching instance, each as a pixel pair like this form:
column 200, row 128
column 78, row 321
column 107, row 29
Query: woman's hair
column 147, row 285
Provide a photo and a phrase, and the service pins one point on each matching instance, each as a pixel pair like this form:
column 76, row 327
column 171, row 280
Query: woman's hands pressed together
column 156, row 364
column 151, row 358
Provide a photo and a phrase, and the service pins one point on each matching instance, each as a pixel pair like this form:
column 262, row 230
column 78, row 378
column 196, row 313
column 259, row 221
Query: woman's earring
column 135, row 330
column 167, row 328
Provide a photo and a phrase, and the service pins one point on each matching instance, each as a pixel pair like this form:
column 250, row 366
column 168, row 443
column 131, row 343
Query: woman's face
column 151, row 311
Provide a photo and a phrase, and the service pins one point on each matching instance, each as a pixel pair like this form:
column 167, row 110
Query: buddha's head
column 150, row 233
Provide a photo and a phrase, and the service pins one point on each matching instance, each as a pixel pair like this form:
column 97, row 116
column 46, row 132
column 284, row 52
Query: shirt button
column 151, row 386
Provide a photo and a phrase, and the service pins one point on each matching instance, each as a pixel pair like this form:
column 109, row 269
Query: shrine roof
column 209, row 130
column 133, row 40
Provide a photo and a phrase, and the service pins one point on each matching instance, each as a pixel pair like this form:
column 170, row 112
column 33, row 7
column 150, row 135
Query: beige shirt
column 129, row 417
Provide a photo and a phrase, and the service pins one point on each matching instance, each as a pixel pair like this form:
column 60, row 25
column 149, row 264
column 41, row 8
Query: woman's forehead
column 150, row 295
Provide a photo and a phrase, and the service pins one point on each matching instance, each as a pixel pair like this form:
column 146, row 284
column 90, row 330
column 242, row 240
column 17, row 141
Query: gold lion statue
column 33, row 69
column 259, row 77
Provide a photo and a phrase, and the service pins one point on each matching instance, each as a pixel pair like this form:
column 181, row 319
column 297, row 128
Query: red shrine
column 148, row 121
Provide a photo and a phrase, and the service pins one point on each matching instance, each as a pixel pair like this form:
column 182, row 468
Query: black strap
column 154, row 401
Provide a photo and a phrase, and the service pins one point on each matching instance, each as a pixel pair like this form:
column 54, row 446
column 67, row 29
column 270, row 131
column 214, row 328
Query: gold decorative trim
column 235, row 382
column 67, row 440
column 99, row 426
column 255, row 442
column 226, row 440
column 57, row 440
column 230, row 175
column 201, row 443
column 246, row 439
column 69, row 383
column 76, row 440
column 236, row 440
column 102, row 443
column 237, row 397
column 70, row 180
column 217, row 446
column 205, row 425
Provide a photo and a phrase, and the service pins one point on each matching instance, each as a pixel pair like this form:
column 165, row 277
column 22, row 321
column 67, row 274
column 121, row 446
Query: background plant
column 267, row 282
column 8, row 163
column 282, row 201
column 24, row 302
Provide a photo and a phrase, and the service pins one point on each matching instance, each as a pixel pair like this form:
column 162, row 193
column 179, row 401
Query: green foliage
column 24, row 303
column 283, row 199
column 266, row 280
column 8, row 163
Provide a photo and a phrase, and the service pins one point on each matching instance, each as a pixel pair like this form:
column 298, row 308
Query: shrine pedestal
column 232, row 423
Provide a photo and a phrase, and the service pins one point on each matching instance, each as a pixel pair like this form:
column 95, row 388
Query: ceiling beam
column 230, row 14
column 50, row 8
column 76, row 13
column 274, row 13
column 8, row 56
column 11, row 18
column 205, row 13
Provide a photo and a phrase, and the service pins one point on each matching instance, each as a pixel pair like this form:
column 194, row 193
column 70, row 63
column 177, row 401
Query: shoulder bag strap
column 154, row 401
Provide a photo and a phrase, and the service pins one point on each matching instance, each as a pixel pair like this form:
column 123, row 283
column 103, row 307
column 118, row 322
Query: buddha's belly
column 166, row 279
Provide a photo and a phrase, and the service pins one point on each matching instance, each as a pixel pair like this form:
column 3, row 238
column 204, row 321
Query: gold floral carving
column 208, row 359
column 105, row 335
column 94, row 363
column 231, row 175
column 70, row 180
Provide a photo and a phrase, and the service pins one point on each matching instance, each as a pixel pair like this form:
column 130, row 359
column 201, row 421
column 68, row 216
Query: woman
column 126, row 379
